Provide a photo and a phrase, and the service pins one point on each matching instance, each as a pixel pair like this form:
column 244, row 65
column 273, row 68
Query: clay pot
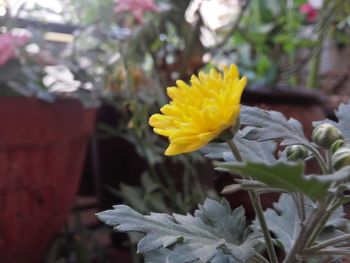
column 42, row 149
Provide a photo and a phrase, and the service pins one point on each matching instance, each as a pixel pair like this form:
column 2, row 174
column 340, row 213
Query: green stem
column 319, row 158
column 293, row 81
column 259, row 258
column 167, row 179
column 169, row 190
column 302, row 206
column 335, row 251
column 312, row 81
column 312, row 220
column 319, row 226
column 327, row 243
column 255, row 199
column 297, row 204
column 329, row 161
column 235, row 150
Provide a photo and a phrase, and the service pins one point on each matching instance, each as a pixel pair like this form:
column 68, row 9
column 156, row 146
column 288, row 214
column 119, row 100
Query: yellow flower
column 199, row 113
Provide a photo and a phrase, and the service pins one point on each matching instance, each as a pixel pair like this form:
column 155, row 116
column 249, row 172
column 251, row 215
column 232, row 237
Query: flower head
column 199, row 112
column 136, row 7
column 309, row 11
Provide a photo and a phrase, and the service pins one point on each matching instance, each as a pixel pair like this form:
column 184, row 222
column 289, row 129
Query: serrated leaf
column 286, row 176
column 343, row 124
column 160, row 256
column 157, row 256
column 249, row 150
column 263, row 125
column 285, row 223
column 213, row 228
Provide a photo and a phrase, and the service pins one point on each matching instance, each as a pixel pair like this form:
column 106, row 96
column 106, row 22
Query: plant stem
column 255, row 199
column 307, row 229
column 319, row 226
column 335, row 251
column 293, row 81
column 312, row 80
column 235, row 150
column 302, row 206
column 260, row 258
column 327, row 243
column 329, row 161
column 319, row 158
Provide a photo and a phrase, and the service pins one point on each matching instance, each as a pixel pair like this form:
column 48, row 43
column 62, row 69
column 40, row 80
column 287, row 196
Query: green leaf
column 286, row 176
column 133, row 196
column 160, row 256
column 146, row 198
column 284, row 223
column 213, row 229
column 157, row 256
column 266, row 125
column 249, row 150
column 343, row 124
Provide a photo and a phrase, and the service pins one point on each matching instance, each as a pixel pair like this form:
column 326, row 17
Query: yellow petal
column 199, row 112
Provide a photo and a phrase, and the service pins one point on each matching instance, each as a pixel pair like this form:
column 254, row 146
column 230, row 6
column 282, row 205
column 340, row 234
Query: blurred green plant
column 132, row 62
column 275, row 42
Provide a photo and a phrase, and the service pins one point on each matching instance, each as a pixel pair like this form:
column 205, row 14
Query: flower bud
column 337, row 145
column 341, row 158
column 296, row 152
column 325, row 135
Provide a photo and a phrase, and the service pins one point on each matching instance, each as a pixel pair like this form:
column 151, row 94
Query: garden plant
column 270, row 153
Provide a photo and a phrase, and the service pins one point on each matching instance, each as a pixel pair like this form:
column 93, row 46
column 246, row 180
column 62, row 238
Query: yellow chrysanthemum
column 199, row 113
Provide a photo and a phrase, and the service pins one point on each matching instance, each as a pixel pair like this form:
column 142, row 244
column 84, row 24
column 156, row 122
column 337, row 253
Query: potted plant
column 306, row 223
column 44, row 136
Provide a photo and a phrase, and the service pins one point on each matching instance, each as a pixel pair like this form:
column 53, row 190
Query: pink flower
column 310, row 12
column 8, row 46
column 136, row 7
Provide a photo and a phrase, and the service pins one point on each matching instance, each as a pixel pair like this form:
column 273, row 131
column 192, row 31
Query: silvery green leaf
column 157, row 256
column 337, row 220
column 343, row 124
column 213, row 228
column 285, row 223
column 160, row 256
column 263, row 125
column 249, row 150
column 282, row 222
column 223, row 258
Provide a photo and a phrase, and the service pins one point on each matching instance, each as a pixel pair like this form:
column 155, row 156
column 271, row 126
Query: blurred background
column 80, row 78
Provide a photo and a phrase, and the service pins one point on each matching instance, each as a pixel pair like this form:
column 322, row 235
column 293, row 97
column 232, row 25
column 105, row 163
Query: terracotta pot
column 303, row 105
column 42, row 149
